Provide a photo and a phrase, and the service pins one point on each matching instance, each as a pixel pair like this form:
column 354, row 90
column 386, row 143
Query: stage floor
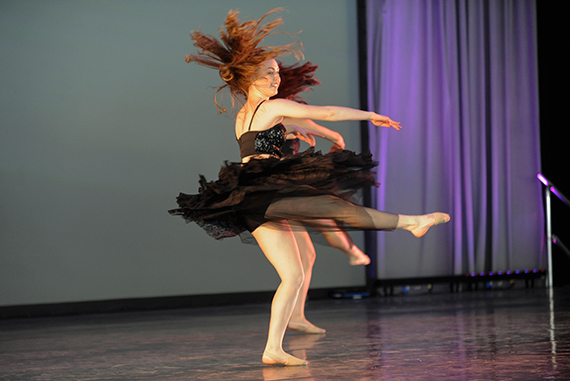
column 519, row 334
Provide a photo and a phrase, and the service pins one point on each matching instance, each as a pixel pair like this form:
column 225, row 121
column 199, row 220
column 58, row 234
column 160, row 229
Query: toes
column 441, row 218
column 438, row 218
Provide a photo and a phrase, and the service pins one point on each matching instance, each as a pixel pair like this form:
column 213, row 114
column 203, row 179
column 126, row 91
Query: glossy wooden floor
column 519, row 334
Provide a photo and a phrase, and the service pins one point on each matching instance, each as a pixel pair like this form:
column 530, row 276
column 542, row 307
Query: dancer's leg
column 310, row 209
column 419, row 225
column 278, row 244
column 308, row 255
column 340, row 239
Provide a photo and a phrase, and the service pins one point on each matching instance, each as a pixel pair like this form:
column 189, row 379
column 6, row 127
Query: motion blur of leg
column 307, row 252
column 311, row 209
column 340, row 239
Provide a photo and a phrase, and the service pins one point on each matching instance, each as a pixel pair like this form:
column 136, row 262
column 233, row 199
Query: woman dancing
column 271, row 196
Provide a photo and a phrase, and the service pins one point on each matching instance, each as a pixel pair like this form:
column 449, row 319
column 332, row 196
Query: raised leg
column 313, row 209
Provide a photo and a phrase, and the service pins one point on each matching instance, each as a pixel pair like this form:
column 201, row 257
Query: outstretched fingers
column 384, row 121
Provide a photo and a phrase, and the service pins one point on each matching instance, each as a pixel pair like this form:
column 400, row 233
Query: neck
column 254, row 97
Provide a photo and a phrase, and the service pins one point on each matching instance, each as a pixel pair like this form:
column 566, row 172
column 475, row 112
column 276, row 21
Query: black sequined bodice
column 263, row 142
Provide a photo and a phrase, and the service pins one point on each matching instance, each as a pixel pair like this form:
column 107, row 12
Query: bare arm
column 290, row 109
column 319, row 130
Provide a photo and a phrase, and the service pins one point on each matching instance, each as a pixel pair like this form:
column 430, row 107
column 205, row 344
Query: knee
column 299, row 279
column 295, row 279
column 311, row 255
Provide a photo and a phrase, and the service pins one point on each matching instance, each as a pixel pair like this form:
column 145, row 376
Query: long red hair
column 236, row 55
column 296, row 79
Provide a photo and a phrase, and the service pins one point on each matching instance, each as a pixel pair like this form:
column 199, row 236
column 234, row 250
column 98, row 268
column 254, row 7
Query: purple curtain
column 461, row 77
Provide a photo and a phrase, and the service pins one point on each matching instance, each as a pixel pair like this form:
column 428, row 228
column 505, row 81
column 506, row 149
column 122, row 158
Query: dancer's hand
column 338, row 142
column 384, row 121
column 335, row 147
column 304, row 134
column 312, row 128
column 336, row 139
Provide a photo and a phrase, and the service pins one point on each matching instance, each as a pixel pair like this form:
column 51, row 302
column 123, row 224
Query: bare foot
column 357, row 257
column 427, row 221
column 306, row 327
column 284, row 359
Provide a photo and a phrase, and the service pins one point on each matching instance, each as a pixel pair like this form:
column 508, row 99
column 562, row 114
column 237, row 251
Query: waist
column 258, row 156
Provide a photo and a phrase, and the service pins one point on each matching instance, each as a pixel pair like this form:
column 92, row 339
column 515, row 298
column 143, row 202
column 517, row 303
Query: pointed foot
column 428, row 221
column 359, row 260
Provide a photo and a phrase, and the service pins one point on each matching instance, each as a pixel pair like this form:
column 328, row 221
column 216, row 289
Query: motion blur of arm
column 315, row 129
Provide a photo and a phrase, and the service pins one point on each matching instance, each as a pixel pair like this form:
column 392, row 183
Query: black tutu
column 239, row 200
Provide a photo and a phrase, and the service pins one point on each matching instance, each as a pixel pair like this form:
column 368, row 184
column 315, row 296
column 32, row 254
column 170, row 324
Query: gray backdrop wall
column 103, row 123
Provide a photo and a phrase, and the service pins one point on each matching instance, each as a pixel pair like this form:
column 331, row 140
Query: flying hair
column 236, row 54
column 296, row 79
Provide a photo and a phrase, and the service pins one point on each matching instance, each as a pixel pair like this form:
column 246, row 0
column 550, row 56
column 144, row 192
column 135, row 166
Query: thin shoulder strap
column 251, row 121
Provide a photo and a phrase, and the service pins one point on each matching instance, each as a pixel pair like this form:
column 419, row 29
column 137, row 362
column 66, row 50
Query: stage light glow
column 542, row 179
column 559, row 195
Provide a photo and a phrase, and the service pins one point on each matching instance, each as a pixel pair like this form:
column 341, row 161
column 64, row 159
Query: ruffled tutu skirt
column 304, row 189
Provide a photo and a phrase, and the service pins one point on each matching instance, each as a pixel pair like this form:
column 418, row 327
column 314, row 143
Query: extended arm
column 290, row 109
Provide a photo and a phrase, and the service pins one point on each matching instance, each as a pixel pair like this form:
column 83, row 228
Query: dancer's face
column 268, row 79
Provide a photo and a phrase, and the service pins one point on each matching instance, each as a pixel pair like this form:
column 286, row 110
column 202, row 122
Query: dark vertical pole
column 552, row 77
column 369, row 236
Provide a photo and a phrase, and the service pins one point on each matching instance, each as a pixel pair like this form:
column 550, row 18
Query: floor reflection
column 519, row 334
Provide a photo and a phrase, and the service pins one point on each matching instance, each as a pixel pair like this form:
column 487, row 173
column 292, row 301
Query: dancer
column 272, row 196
